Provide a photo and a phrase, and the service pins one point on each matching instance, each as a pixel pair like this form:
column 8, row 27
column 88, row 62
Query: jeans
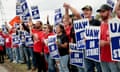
column 28, row 54
column 7, row 52
column 76, row 69
column 109, row 67
column 10, row 54
column 1, row 57
column 81, row 69
column 118, row 64
column 16, row 55
column 63, row 66
column 73, row 68
column 40, row 62
column 90, row 66
column 51, row 64
column 21, row 51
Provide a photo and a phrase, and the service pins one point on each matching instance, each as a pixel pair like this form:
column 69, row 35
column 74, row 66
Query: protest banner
column 58, row 16
column 4, row 29
column 79, row 27
column 77, row 58
column 22, row 36
column 15, row 39
column 28, row 41
column 53, row 48
column 18, row 9
column 92, row 36
column 114, row 31
column 26, row 14
column 21, row 1
column 2, row 41
column 35, row 12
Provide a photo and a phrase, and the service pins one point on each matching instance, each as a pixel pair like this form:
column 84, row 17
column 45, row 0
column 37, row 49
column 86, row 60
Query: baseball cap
column 87, row 7
column 104, row 7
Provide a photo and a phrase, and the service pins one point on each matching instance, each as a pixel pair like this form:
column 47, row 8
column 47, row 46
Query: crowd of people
column 28, row 44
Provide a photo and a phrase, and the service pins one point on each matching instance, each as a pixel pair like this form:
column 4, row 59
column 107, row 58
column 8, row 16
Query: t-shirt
column 38, row 44
column 67, row 30
column 105, row 52
column 35, row 31
column 8, row 41
column 62, row 39
column 1, row 48
column 94, row 22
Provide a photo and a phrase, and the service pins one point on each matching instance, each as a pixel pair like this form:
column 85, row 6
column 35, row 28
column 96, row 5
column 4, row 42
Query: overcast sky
column 46, row 7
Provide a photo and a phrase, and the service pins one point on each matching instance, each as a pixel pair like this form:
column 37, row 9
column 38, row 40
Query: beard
column 37, row 27
column 104, row 17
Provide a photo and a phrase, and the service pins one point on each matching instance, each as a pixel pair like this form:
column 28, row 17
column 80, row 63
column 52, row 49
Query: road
column 3, row 69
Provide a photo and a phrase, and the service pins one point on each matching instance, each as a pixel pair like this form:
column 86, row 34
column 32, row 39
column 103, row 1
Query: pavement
column 3, row 69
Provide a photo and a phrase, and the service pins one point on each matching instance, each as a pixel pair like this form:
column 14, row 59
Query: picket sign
column 58, row 16
column 53, row 48
column 79, row 27
column 114, row 31
column 92, row 49
column 35, row 12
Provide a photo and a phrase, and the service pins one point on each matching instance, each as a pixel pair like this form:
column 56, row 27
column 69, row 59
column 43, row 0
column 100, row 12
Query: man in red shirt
column 38, row 45
column 8, row 44
column 106, row 61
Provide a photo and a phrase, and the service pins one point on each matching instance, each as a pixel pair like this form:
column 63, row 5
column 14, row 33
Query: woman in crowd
column 48, row 31
column 63, row 47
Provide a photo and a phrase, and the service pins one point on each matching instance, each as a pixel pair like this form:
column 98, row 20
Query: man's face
column 65, row 22
column 38, row 25
column 45, row 29
column 104, row 14
column 87, row 13
column 118, row 12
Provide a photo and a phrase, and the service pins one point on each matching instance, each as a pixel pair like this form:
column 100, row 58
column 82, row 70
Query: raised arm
column 73, row 10
column 7, row 26
column 30, row 23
